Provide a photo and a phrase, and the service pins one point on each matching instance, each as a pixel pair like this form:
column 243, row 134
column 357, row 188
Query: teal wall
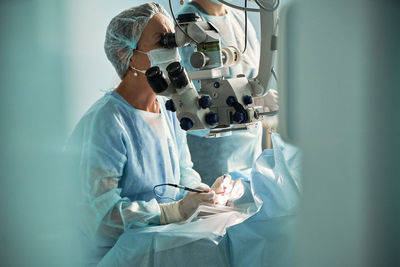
column 339, row 67
column 35, row 186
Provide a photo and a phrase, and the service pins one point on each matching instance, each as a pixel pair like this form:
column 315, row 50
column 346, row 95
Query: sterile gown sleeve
column 102, row 156
column 189, row 177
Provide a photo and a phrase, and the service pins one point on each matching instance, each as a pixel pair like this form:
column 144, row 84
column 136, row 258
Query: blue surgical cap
column 124, row 31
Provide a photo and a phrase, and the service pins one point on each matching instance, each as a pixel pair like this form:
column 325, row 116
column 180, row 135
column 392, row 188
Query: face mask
column 216, row 2
column 162, row 57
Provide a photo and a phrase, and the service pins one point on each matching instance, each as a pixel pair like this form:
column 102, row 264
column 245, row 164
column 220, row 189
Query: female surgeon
column 127, row 142
column 240, row 150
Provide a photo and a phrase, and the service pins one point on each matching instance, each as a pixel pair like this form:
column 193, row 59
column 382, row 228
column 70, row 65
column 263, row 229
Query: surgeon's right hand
column 189, row 204
column 184, row 208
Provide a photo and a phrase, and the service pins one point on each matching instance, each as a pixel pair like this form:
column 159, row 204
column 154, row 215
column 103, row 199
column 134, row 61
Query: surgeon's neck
column 212, row 8
column 138, row 93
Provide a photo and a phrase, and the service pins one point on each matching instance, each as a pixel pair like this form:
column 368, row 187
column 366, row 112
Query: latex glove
column 223, row 186
column 184, row 208
column 269, row 101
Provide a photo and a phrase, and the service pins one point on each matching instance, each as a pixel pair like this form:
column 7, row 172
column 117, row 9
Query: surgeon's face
column 150, row 39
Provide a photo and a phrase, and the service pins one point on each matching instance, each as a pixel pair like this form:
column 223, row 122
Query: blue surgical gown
column 120, row 158
column 214, row 157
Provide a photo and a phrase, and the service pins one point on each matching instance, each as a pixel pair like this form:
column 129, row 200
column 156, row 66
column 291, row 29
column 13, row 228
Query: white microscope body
column 221, row 105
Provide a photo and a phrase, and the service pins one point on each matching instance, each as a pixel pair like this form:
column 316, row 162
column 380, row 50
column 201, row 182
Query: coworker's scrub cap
column 124, row 31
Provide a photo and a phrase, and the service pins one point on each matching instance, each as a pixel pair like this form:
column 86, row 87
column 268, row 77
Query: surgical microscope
column 222, row 105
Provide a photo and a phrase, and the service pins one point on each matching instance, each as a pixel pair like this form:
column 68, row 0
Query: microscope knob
column 169, row 105
column 199, row 59
column 231, row 100
column 205, row 101
column 212, row 118
column 239, row 117
column 247, row 100
column 186, row 123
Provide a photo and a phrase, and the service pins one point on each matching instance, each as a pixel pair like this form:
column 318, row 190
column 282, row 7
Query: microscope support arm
column 268, row 22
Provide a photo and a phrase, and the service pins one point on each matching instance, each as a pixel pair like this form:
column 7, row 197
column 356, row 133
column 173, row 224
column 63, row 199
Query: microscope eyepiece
column 177, row 75
column 168, row 40
column 156, row 79
column 188, row 17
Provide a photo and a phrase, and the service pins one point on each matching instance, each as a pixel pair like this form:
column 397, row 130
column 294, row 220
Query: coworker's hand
column 270, row 100
column 189, row 204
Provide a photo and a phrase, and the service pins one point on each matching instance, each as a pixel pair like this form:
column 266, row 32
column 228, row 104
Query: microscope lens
column 177, row 75
column 156, row 79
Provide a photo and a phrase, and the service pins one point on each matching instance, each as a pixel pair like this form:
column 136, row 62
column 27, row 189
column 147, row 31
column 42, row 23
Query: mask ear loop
column 135, row 70
column 143, row 52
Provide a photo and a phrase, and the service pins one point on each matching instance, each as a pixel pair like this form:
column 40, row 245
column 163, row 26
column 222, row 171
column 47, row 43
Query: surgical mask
column 162, row 57
column 216, row 2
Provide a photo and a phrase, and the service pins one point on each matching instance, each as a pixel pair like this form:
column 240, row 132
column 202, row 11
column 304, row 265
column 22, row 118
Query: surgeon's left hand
column 222, row 187
column 221, row 183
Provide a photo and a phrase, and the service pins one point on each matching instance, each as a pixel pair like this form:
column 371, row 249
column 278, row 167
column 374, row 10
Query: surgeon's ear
column 132, row 59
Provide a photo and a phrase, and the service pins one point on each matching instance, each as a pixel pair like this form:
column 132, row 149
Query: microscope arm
column 268, row 22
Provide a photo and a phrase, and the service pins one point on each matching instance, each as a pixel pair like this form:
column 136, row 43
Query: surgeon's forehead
column 155, row 28
column 163, row 23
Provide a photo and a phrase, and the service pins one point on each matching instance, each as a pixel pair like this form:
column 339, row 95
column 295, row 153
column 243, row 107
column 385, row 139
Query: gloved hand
column 269, row 101
column 189, row 204
column 184, row 208
column 223, row 186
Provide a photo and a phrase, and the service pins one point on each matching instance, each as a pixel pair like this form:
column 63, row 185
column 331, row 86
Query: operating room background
column 340, row 69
